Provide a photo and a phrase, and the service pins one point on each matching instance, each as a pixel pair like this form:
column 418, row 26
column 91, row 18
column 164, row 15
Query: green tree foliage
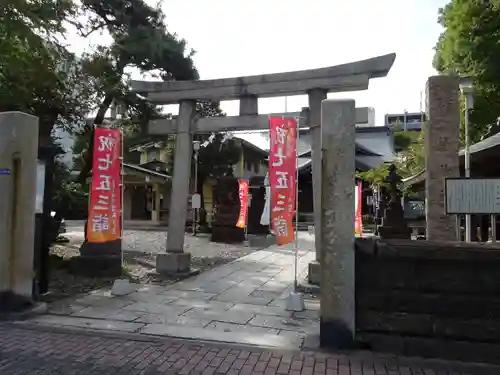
column 37, row 74
column 140, row 40
column 470, row 46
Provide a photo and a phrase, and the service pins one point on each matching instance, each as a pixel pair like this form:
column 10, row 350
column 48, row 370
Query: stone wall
column 425, row 298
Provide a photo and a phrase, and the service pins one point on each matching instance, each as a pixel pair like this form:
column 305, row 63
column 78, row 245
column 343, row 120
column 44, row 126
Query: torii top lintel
column 354, row 76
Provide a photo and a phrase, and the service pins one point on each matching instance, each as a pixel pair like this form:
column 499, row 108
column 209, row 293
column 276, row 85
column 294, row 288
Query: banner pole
column 246, row 213
column 122, row 193
column 295, row 282
column 294, row 301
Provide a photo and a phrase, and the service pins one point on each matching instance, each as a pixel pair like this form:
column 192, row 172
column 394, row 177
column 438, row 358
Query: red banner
column 104, row 210
column 282, row 175
column 243, row 193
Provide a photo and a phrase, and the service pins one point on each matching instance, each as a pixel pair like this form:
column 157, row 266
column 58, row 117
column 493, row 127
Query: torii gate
column 316, row 83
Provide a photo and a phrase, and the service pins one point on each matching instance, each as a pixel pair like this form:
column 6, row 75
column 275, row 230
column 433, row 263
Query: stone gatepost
column 18, row 180
column 175, row 260
column 441, row 153
column 315, row 98
column 337, row 324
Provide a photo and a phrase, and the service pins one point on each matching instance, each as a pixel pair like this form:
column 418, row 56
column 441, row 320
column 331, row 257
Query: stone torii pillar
column 337, row 324
column 315, row 98
column 175, row 260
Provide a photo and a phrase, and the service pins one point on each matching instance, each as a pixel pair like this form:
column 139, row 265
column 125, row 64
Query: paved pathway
column 38, row 352
column 240, row 302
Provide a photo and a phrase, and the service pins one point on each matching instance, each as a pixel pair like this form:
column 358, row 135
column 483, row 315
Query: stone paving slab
column 108, row 325
column 172, row 321
column 105, row 313
column 220, row 316
column 283, row 323
column 154, row 308
column 36, row 351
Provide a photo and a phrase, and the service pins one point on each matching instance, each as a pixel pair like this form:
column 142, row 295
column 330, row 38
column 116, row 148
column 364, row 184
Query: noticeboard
column 196, row 201
column 472, row 196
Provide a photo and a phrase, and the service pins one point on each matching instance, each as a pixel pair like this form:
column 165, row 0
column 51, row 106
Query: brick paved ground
column 36, row 352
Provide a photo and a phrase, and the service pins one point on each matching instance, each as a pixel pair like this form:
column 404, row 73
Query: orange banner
column 243, row 193
column 282, row 176
column 104, row 210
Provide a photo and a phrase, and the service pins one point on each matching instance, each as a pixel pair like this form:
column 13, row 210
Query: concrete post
column 315, row 99
column 337, row 324
column 441, row 153
column 155, row 213
column 175, row 260
column 18, row 184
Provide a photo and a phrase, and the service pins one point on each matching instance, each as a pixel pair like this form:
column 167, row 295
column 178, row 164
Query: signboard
column 243, row 194
column 472, row 196
column 4, row 172
column 104, row 210
column 282, row 175
column 40, row 186
column 196, row 201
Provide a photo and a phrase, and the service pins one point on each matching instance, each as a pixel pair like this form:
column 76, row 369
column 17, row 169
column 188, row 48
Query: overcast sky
column 246, row 37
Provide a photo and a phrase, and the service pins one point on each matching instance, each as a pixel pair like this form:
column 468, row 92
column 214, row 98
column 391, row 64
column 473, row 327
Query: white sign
column 196, row 201
column 40, row 187
column 472, row 196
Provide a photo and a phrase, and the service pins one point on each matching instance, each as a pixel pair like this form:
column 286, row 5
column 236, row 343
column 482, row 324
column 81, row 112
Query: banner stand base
column 99, row 259
column 295, row 302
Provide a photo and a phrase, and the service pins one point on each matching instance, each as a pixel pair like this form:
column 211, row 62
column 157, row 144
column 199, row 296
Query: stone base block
column 10, row 302
column 393, row 232
column 102, row 249
column 314, row 273
column 96, row 266
column 306, row 287
column 173, row 263
column 227, row 234
column 335, row 335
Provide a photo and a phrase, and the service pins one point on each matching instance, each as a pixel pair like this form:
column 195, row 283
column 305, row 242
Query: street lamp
column 196, row 149
column 467, row 87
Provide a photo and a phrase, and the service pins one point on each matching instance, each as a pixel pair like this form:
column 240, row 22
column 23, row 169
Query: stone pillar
column 441, row 153
column 155, row 212
column 175, row 261
column 249, row 105
column 337, row 324
column 315, row 99
column 18, row 184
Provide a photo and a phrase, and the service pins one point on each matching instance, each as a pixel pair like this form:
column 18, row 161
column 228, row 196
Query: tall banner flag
column 358, row 223
column 104, row 210
column 282, row 175
column 243, row 193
